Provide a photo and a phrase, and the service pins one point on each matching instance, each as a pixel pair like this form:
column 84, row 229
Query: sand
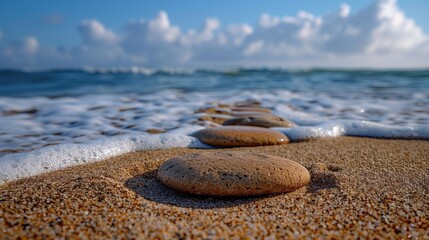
column 360, row 187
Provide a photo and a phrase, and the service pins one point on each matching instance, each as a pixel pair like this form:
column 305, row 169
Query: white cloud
column 19, row 54
column 94, row 33
column 210, row 26
column 253, row 48
column 345, row 10
column 155, row 42
column 394, row 31
column 99, row 46
column 30, row 45
column 238, row 33
column 380, row 35
column 266, row 21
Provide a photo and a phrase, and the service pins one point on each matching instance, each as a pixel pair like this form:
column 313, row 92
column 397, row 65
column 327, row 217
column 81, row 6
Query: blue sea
column 53, row 119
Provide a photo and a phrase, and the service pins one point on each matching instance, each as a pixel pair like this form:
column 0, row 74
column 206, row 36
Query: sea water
column 53, row 119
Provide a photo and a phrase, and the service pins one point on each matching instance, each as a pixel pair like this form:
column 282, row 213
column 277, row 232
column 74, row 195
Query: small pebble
column 214, row 119
column 240, row 136
column 251, row 109
column 155, row 131
column 266, row 121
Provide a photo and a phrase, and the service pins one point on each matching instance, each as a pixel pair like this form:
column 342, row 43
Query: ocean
column 54, row 119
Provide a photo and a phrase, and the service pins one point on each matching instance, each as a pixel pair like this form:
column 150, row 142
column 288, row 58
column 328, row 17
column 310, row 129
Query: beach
column 264, row 120
column 360, row 187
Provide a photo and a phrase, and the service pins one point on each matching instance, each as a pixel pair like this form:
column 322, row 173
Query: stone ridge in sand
column 232, row 174
column 240, row 136
column 266, row 121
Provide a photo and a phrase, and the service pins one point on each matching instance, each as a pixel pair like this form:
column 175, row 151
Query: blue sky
column 49, row 28
column 20, row 18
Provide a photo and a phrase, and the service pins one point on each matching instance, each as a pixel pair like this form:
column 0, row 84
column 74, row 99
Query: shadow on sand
column 146, row 185
column 321, row 181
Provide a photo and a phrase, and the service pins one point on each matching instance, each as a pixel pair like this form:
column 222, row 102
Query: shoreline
column 360, row 187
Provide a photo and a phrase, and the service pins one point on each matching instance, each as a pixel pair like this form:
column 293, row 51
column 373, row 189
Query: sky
column 162, row 33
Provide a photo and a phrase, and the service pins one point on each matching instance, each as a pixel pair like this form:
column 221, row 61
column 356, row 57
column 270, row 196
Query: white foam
column 19, row 165
column 95, row 127
column 140, row 70
column 355, row 128
column 83, row 118
column 15, row 166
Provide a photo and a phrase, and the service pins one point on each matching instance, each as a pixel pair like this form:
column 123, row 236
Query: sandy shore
column 360, row 187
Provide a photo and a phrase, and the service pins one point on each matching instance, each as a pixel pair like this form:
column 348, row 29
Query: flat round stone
column 232, row 174
column 214, row 110
column 240, row 136
column 155, row 131
column 266, row 121
column 247, row 114
column 215, row 119
column 248, row 103
column 251, row 109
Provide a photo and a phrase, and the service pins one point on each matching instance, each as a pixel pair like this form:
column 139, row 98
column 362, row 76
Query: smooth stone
column 240, row 136
column 214, row 119
column 242, row 104
column 251, row 109
column 18, row 111
column 266, row 121
column 248, row 103
column 234, row 110
column 155, row 131
column 214, row 110
column 205, row 123
column 232, row 174
column 248, row 114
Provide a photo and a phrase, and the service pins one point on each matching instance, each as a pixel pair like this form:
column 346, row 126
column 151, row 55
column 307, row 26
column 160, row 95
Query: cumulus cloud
column 99, row 45
column 154, row 42
column 344, row 10
column 394, row 30
column 94, row 33
column 380, row 35
column 21, row 53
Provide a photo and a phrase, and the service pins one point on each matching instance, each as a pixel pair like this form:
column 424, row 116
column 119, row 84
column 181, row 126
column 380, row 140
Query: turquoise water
column 337, row 83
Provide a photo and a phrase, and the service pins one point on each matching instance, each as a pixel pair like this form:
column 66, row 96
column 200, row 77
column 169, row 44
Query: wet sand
column 360, row 187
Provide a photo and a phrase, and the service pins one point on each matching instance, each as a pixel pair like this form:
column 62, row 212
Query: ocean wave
column 19, row 165
column 178, row 71
column 32, row 123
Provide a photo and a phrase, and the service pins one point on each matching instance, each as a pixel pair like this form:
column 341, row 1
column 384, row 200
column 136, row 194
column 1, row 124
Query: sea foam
column 19, row 165
column 15, row 166
column 355, row 128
